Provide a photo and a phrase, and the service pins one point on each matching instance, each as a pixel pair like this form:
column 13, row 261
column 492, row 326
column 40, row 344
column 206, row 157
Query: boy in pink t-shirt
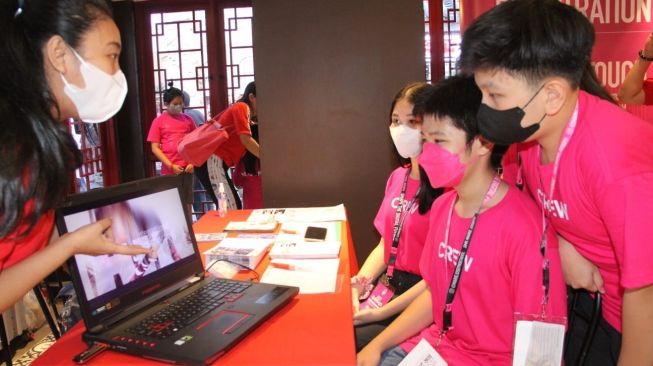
column 501, row 263
column 586, row 162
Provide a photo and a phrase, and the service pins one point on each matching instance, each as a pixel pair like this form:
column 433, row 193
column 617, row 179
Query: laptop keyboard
column 185, row 311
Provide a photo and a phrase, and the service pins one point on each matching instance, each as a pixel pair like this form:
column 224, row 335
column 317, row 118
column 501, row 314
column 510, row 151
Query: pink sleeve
column 191, row 124
column 155, row 131
column 525, row 265
column 648, row 91
column 378, row 219
column 626, row 207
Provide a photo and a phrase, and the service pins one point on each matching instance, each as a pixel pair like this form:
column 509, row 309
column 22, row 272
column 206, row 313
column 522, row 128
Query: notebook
column 159, row 305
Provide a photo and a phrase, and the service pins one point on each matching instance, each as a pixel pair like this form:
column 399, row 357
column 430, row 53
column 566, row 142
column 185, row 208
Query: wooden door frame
column 215, row 51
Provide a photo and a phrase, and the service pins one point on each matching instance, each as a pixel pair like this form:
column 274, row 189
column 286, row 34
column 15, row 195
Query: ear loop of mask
column 82, row 63
column 529, row 102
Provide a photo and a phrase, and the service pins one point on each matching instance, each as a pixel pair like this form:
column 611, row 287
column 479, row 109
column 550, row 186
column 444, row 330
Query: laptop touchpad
column 226, row 321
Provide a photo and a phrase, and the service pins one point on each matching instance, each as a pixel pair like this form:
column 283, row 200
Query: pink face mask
column 443, row 168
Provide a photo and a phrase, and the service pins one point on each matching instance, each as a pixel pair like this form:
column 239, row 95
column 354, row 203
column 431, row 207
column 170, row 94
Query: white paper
column 301, row 214
column 300, row 249
column 423, row 355
column 312, row 276
column 251, row 226
column 245, row 251
column 538, row 343
column 209, row 236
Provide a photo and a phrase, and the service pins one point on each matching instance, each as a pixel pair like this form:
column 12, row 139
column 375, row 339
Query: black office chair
column 6, row 350
column 593, row 322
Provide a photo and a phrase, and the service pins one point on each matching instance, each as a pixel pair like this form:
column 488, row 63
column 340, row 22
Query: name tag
column 538, row 342
column 381, row 295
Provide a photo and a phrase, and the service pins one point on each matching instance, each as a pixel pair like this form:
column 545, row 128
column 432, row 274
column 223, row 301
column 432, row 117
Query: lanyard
column 455, row 279
column 398, row 225
column 566, row 137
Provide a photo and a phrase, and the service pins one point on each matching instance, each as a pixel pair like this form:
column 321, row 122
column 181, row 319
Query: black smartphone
column 314, row 233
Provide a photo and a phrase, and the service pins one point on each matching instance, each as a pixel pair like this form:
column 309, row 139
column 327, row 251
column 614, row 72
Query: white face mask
column 102, row 95
column 407, row 140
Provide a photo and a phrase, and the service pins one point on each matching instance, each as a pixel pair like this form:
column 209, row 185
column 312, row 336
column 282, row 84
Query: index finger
column 131, row 249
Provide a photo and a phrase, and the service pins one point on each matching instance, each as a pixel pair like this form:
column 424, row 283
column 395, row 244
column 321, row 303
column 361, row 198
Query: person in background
column 201, row 172
column 584, row 160
column 60, row 61
column 236, row 121
column 247, row 175
column 637, row 88
column 194, row 114
column 483, row 260
column 165, row 132
column 405, row 206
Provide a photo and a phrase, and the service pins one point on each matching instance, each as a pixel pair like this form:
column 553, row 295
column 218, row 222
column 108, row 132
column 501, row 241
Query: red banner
column 621, row 29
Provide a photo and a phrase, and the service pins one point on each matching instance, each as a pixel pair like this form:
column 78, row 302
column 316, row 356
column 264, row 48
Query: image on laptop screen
column 155, row 221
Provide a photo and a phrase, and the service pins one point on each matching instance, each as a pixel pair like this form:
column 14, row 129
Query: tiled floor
column 25, row 355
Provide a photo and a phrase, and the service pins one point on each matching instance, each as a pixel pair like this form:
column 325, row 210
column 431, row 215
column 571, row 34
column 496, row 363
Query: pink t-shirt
column 413, row 232
column 502, row 275
column 168, row 130
column 603, row 200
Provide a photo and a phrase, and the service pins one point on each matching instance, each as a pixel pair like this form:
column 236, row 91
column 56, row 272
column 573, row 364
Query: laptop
column 159, row 305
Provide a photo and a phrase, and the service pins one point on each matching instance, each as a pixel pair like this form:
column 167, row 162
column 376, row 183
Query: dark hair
column 250, row 161
column 171, row 93
column 457, row 98
column 426, row 194
column 591, row 84
column 249, row 89
column 39, row 155
column 533, row 39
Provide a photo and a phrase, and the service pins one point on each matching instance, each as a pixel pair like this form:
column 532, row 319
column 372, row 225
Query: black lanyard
column 398, row 225
column 455, row 279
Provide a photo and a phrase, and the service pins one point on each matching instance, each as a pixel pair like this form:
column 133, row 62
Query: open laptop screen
column 143, row 215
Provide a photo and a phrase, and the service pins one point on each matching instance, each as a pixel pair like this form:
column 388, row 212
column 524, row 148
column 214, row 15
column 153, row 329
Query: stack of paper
column 300, row 214
column 244, row 251
column 312, row 276
column 251, row 226
column 300, row 249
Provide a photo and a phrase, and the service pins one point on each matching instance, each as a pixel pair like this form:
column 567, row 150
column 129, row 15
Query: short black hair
column 457, row 98
column 171, row 93
column 532, row 39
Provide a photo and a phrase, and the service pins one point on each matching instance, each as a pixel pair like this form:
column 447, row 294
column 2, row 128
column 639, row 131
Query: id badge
column 381, row 295
column 538, row 341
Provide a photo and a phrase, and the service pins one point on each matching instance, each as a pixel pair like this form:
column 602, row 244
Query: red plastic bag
column 196, row 147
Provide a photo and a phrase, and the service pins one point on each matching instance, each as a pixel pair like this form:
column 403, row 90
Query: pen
column 289, row 267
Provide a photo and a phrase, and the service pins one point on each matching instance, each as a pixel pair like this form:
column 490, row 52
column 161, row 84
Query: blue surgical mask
column 175, row 109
